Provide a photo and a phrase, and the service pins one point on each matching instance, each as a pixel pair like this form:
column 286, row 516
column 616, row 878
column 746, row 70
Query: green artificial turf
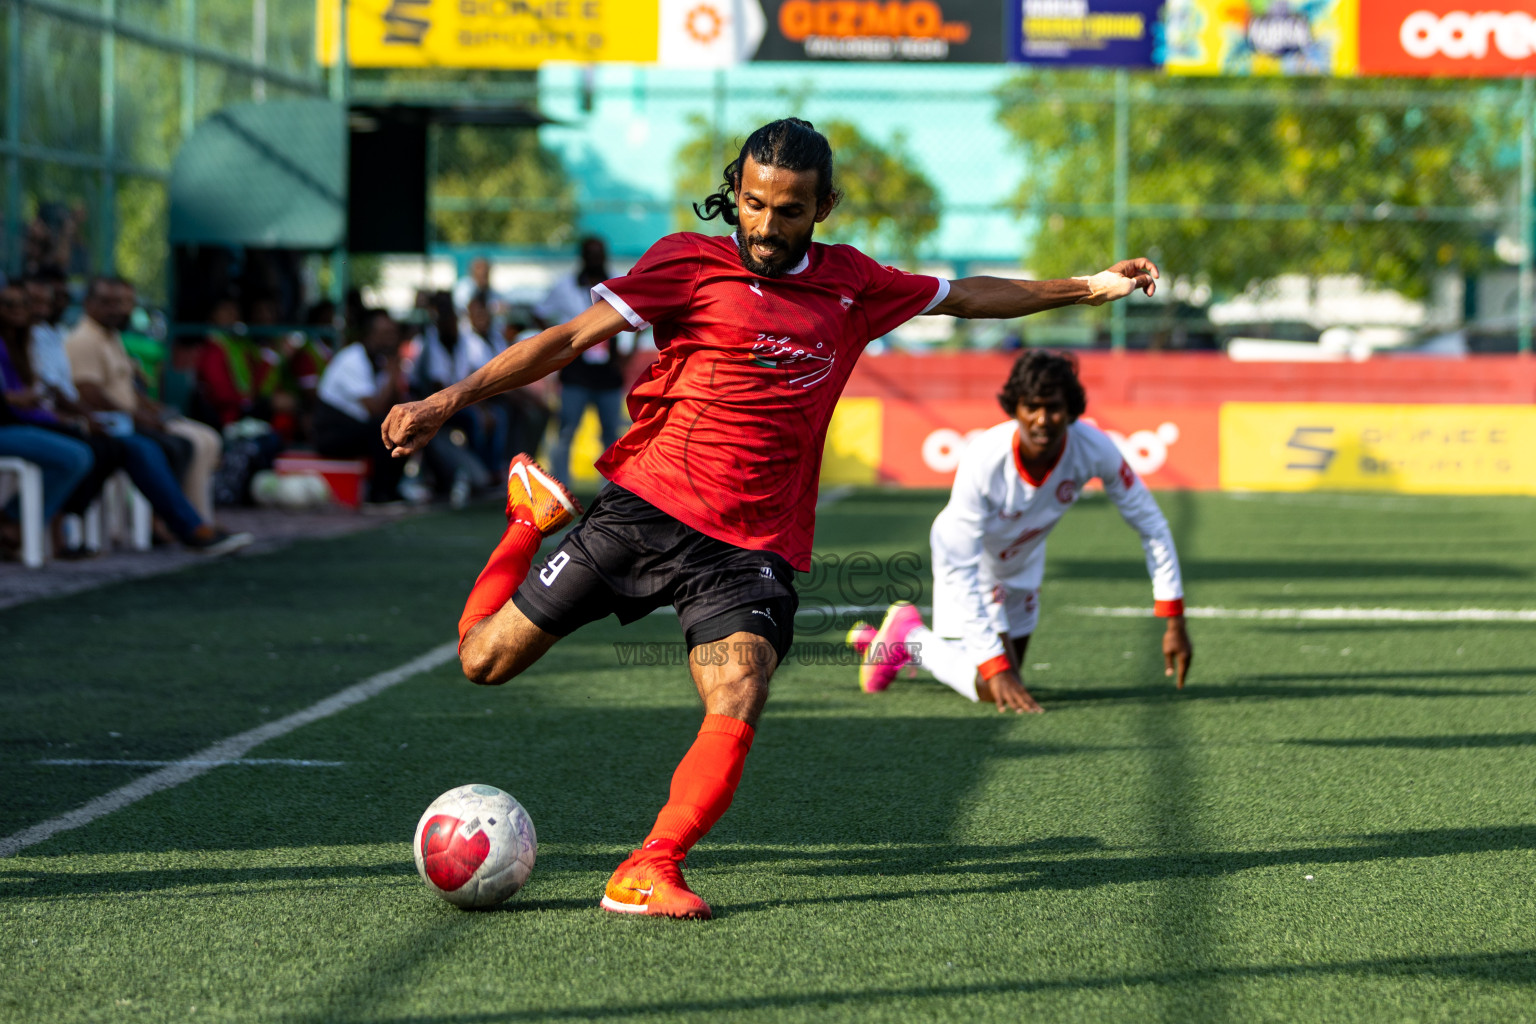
column 1135, row 854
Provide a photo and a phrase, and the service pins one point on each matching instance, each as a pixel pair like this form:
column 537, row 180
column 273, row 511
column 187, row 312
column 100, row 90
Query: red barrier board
column 1161, row 408
column 1447, row 37
column 1200, row 377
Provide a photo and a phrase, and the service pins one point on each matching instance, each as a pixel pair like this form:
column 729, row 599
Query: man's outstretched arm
column 997, row 298
column 410, row 426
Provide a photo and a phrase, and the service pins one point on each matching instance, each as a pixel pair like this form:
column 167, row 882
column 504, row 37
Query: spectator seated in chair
column 34, row 403
column 357, row 389
column 109, row 383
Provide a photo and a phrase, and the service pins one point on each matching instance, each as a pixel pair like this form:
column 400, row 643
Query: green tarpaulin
column 267, row 175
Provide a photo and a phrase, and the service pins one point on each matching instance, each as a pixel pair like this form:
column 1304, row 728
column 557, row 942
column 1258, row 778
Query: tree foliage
column 1241, row 171
column 500, row 185
column 889, row 207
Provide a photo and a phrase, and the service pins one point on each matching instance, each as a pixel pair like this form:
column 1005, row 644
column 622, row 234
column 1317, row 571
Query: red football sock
column 703, row 784
column 508, row 565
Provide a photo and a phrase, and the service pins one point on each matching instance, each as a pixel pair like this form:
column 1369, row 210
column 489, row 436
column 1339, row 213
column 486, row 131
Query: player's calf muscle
column 735, row 685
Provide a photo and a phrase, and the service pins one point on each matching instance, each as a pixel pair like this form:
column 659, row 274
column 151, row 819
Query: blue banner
column 1112, row 33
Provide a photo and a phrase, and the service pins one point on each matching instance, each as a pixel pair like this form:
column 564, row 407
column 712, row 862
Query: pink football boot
column 887, row 651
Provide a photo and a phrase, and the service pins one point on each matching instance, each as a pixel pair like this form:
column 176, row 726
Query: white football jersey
column 992, row 533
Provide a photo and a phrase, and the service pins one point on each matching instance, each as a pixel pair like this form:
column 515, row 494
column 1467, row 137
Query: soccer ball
column 475, row 846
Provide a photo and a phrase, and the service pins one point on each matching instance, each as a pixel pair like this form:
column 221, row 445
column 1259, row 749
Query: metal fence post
column 341, row 82
column 107, row 245
column 1122, row 196
column 188, row 70
column 13, row 229
column 1527, row 196
column 259, row 48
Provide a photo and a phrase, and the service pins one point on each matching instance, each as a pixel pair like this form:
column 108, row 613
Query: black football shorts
column 627, row 558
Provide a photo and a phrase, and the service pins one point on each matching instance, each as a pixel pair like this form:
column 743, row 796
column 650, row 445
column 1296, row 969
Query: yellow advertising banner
column 1261, row 37
column 1411, row 449
column 487, row 33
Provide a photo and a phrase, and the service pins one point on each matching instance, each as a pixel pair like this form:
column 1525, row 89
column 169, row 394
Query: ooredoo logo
column 1417, row 38
column 1460, row 35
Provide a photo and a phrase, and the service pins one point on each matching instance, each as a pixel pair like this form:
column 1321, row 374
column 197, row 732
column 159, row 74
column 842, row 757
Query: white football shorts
column 1012, row 608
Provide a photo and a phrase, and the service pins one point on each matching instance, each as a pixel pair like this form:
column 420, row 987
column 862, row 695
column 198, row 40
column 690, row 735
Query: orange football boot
column 547, row 498
column 651, row 882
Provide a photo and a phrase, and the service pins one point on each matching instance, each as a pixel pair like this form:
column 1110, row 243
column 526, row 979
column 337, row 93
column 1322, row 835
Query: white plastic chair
column 102, row 525
column 121, row 501
column 34, row 531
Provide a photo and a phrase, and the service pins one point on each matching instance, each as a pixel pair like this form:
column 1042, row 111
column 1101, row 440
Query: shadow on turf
column 1228, row 570
column 1272, row 688
column 1472, row 741
column 1516, row 967
column 1028, row 873
column 32, row 883
column 1303, row 629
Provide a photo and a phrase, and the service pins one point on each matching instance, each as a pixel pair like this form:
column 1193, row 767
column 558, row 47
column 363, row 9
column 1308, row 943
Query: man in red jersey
column 710, row 504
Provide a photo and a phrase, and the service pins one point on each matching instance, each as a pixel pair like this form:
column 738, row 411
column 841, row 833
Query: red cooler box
column 345, row 476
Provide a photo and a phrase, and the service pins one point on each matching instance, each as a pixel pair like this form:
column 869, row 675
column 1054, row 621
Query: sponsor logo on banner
column 883, row 30
column 1260, row 37
column 1410, row 449
column 1103, row 32
column 709, row 33
column 1166, row 445
column 1413, row 37
column 488, row 33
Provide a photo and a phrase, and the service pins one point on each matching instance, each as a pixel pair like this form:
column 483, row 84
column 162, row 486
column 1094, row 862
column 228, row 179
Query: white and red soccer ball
column 475, row 846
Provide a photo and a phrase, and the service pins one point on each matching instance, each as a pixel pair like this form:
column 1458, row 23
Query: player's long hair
column 1037, row 373
column 789, row 143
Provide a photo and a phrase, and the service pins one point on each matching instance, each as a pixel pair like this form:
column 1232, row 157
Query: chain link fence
column 1275, row 207
column 96, row 96
column 1397, row 209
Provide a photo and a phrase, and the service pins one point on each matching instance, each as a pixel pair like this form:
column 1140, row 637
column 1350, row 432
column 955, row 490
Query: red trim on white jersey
column 1018, row 460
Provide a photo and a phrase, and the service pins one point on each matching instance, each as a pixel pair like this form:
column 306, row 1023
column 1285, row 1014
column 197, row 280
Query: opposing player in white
column 1014, row 484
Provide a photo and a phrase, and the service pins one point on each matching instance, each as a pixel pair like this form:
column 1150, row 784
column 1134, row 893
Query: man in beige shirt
column 107, row 379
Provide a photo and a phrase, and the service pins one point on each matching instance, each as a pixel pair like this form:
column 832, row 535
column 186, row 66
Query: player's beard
column 787, row 257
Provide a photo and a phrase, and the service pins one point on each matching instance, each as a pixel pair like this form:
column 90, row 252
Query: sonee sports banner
column 487, row 33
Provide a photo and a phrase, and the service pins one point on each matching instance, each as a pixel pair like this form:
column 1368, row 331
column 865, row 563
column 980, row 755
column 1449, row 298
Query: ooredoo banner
column 923, row 31
column 1169, row 446
column 1117, row 33
column 1448, row 37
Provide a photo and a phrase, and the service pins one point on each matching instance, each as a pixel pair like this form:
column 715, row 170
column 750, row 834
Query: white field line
column 224, row 751
column 81, row 762
column 1329, row 614
column 833, row 495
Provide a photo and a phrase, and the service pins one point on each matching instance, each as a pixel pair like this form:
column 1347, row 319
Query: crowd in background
column 196, row 418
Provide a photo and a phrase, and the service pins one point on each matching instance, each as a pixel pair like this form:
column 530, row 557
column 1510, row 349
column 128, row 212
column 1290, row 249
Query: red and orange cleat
column 651, row 882
column 545, row 497
column 886, row 651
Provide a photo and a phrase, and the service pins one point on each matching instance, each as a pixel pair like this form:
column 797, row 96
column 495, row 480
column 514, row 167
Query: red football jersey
column 730, row 421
